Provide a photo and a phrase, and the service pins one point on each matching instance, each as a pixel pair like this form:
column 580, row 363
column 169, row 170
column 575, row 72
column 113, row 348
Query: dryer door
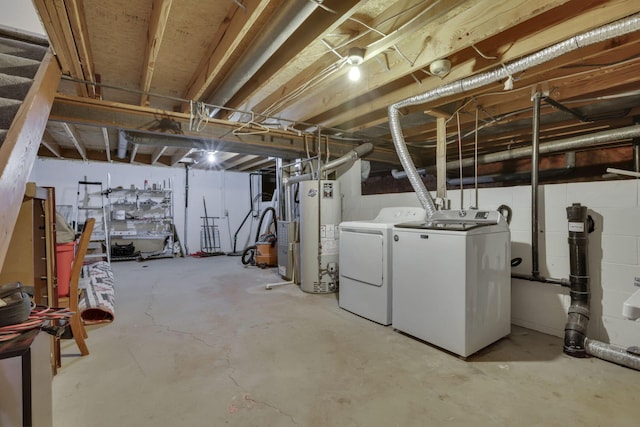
column 362, row 256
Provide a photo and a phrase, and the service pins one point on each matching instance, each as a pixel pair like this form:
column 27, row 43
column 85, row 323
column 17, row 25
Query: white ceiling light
column 440, row 67
column 211, row 156
column 355, row 58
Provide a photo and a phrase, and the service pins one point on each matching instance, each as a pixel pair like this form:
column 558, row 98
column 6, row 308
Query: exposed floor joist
column 75, row 139
column 157, row 154
column 218, row 134
column 158, row 23
column 49, row 143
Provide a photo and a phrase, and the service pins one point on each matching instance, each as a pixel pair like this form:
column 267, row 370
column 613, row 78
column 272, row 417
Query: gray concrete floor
column 200, row 342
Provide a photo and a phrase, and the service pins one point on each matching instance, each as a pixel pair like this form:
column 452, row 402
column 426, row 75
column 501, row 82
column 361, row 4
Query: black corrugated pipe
column 575, row 330
column 576, row 343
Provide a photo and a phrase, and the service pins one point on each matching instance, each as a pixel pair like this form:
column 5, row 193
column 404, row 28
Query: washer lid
column 434, row 225
column 456, row 220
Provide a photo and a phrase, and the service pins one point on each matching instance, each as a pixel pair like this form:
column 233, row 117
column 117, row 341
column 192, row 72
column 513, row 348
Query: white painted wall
column 614, row 247
column 226, row 194
column 20, row 14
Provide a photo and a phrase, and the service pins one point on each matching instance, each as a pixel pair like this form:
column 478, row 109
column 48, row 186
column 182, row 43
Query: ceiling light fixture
column 440, row 67
column 355, row 58
column 211, row 156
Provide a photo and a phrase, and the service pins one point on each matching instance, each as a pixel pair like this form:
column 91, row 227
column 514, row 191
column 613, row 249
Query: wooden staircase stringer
column 20, row 147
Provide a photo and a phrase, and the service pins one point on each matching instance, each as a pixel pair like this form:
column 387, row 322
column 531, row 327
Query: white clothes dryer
column 365, row 263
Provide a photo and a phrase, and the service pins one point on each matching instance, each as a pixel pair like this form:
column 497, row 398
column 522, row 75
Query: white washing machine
column 365, row 263
column 452, row 280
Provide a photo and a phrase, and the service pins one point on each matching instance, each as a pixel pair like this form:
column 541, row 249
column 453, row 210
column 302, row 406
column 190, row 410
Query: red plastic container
column 64, row 259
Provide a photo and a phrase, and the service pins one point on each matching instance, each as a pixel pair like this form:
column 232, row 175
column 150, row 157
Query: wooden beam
column 107, row 143
column 294, row 49
column 252, row 165
column 50, row 144
column 568, row 76
column 157, row 24
column 344, row 117
column 225, row 44
column 157, row 154
column 19, row 149
column 75, row 139
column 235, row 161
column 134, row 151
column 457, row 31
column 76, row 17
column 175, row 159
column 438, row 113
column 51, row 24
column 71, row 44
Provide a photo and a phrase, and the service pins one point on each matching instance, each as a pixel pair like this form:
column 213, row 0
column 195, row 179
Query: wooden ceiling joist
column 255, row 164
column 157, row 154
column 235, row 161
column 134, row 151
column 157, row 24
column 372, row 39
column 71, row 134
column 228, row 39
column 348, row 118
column 294, row 47
column 76, row 17
column 65, row 26
column 466, row 19
column 179, row 155
column 50, row 144
column 217, row 134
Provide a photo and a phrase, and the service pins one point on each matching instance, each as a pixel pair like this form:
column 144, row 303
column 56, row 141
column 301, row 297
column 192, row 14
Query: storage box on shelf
column 141, row 223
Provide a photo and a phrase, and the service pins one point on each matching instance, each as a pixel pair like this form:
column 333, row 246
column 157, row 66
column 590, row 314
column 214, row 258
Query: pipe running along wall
column 576, row 343
column 561, row 145
column 606, row 32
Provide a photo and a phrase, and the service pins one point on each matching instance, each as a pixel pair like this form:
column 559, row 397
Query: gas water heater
column 320, row 216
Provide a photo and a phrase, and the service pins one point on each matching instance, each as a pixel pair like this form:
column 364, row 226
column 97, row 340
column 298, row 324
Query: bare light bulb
column 354, row 73
column 211, row 156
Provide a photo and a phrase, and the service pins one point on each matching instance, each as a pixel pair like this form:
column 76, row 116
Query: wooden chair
column 79, row 332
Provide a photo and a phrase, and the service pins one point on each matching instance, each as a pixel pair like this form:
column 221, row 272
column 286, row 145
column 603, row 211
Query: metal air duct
column 358, row 152
column 292, row 14
column 122, row 144
column 561, row 145
column 606, row 32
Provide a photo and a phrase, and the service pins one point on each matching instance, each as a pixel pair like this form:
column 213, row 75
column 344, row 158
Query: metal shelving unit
column 141, row 223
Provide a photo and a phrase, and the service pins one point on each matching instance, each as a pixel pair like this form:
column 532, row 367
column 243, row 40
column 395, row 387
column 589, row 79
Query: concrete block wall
column 614, row 248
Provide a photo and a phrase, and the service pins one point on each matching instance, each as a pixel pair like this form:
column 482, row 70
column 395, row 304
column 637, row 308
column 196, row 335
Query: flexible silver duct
column 562, row 145
column 612, row 353
column 606, row 32
column 358, row 152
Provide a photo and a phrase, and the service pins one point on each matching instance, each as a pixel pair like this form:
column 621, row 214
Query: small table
column 21, row 346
